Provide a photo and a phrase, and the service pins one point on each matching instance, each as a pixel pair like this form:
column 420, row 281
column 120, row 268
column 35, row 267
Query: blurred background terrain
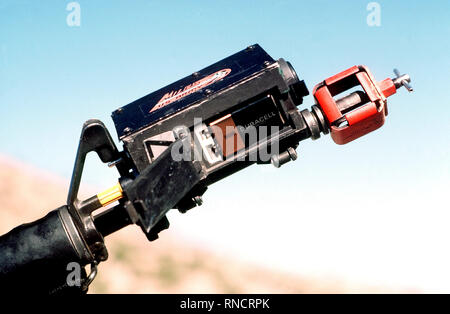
column 167, row 265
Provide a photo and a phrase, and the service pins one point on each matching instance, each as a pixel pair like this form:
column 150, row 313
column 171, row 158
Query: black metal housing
column 254, row 86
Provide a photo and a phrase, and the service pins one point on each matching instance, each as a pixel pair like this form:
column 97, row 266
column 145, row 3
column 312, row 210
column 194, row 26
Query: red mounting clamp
column 361, row 112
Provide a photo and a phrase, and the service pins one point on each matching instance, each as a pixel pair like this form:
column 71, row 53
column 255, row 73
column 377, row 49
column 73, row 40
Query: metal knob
column 402, row 80
column 280, row 159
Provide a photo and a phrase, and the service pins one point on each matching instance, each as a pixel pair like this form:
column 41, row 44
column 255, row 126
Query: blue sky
column 54, row 77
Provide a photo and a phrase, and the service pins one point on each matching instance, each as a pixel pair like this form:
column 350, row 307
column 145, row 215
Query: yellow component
column 110, row 195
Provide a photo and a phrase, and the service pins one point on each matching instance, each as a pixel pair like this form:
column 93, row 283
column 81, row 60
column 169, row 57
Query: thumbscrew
column 402, row 80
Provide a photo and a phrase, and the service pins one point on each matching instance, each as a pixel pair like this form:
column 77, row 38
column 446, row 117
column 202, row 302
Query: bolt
column 195, row 74
column 127, row 130
column 114, row 163
column 198, row 200
column 266, row 63
column 208, row 91
column 280, row 159
column 292, row 153
column 180, row 132
column 99, row 250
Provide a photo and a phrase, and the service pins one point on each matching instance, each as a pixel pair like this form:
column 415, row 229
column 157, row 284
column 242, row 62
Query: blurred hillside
column 168, row 265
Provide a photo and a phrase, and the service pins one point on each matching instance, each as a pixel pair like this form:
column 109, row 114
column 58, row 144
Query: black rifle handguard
column 35, row 256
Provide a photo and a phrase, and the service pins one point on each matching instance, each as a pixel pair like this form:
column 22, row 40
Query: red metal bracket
column 350, row 122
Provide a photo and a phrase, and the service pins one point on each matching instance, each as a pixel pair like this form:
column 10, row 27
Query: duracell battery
column 231, row 131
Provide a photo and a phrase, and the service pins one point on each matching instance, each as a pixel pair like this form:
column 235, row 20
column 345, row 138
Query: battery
column 242, row 128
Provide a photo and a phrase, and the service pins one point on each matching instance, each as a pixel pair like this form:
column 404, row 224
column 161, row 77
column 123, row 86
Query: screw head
column 292, row 153
column 275, row 161
column 198, row 200
column 127, row 130
column 100, row 251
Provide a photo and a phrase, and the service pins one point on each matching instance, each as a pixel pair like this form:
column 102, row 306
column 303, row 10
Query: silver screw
column 114, row 163
column 292, row 153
